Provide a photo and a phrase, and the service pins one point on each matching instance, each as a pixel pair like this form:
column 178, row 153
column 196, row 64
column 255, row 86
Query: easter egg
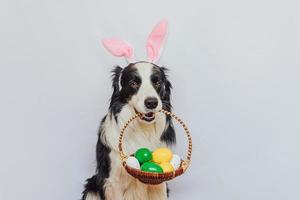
column 133, row 162
column 175, row 161
column 161, row 155
column 151, row 167
column 167, row 167
column 143, row 155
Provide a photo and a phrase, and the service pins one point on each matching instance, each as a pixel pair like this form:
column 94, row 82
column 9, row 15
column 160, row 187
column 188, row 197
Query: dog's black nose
column 151, row 102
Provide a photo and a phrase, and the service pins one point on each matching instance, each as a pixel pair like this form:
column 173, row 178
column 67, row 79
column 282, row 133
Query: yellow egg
column 167, row 167
column 162, row 155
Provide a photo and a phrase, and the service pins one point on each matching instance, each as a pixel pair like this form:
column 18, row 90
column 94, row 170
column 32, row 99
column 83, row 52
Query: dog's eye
column 133, row 84
column 158, row 83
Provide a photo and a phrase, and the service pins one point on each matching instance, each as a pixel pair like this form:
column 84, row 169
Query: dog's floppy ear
column 166, row 91
column 118, row 48
column 155, row 40
column 168, row 135
column 116, row 75
column 115, row 105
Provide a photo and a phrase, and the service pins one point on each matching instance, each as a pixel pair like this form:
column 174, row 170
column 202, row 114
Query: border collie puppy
column 140, row 87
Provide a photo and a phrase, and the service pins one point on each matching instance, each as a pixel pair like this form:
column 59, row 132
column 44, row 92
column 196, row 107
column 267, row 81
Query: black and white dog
column 140, row 87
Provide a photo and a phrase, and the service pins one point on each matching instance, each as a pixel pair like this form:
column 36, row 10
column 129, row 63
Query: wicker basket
column 151, row 177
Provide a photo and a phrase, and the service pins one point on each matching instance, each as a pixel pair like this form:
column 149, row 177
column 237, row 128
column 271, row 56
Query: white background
column 235, row 70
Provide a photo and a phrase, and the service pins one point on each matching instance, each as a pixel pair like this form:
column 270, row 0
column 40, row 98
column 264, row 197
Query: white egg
column 176, row 161
column 133, row 162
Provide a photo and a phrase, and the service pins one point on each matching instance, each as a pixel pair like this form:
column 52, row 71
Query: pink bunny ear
column 156, row 39
column 118, row 47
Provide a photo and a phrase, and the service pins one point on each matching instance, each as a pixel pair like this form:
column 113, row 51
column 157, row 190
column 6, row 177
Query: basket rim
column 184, row 163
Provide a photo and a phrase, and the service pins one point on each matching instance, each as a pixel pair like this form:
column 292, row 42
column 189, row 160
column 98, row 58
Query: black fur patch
column 90, row 186
column 103, row 162
column 115, row 105
column 130, row 82
column 163, row 87
column 169, row 135
column 96, row 183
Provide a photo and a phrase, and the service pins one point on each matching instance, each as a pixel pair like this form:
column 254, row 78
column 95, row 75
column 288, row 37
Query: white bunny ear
column 156, row 39
column 118, row 48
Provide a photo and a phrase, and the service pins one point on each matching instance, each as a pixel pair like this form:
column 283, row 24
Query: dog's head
column 144, row 87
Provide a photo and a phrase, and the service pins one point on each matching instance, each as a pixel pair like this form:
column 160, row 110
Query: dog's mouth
column 148, row 117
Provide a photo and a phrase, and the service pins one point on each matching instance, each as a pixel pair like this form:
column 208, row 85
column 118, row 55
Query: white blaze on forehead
column 144, row 70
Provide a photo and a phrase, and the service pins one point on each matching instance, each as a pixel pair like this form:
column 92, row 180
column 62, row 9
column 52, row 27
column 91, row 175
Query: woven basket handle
column 185, row 163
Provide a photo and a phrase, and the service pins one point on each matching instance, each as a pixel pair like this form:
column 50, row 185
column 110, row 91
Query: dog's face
column 144, row 87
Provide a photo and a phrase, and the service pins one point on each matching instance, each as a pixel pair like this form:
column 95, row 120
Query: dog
column 141, row 87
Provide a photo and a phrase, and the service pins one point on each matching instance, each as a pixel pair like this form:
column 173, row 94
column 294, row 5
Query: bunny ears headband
column 121, row 48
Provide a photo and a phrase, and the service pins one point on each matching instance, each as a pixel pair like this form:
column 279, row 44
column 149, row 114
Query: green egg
column 143, row 155
column 151, row 167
